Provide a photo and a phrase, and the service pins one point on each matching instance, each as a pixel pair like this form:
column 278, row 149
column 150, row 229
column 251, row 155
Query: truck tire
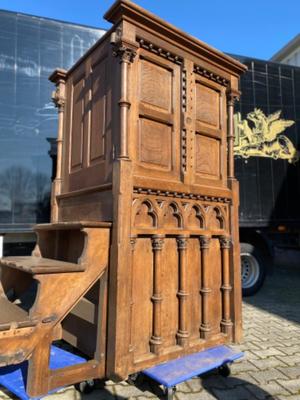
column 253, row 265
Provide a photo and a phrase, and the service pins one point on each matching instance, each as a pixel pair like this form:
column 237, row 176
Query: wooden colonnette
column 145, row 142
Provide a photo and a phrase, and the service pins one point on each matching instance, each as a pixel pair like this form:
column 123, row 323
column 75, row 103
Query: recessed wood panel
column 194, row 286
column 77, row 124
column 207, row 156
column 169, row 305
column 155, row 147
column 142, row 307
column 155, row 85
column 207, row 105
column 215, row 283
column 98, row 108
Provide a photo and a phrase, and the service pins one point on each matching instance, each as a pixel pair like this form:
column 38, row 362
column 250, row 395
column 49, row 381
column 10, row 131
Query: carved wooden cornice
column 180, row 195
column 159, row 51
column 211, row 75
column 127, row 10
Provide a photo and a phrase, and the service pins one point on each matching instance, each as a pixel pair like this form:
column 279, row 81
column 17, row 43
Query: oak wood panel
column 98, row 112
column 194, row 285
column 142, row 310
column 207, row 156
column 208, row 105
column 77, row 135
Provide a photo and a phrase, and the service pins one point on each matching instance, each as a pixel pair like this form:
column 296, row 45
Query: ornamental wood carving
column 146, row 143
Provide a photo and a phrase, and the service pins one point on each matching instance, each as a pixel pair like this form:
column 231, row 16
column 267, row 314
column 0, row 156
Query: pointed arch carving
column 145, row 215
column 172, row 217
column 196, row 219
column 216, row 219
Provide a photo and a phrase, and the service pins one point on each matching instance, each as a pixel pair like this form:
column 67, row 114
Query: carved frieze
column 159, row 51
column 157, row 212
column 211, row 75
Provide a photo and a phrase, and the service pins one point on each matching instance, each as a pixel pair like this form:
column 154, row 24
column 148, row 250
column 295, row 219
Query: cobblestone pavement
column 269, row 370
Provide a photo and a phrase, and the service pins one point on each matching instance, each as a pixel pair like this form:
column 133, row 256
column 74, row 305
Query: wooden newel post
column 182, row 333
column 157, row 246
column 232, row 96
column 226, row 323
column 59, row 99
column 205, row 327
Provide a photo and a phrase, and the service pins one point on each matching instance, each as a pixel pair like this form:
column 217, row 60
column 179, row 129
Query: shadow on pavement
column 280, row 293
column 232, row 388
column 215, row 385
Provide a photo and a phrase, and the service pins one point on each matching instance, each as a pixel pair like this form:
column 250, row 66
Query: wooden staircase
column 39, row 291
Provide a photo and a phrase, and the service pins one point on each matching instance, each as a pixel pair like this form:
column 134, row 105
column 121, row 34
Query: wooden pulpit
column 144, row 152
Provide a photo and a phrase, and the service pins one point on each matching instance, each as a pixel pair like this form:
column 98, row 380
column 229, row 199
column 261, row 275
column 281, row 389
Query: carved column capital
column 58, row 98
column 181, row 242
column 124, row 53
column 157, row 242
column 233, row 96
column 204, row 241
column 225, row 242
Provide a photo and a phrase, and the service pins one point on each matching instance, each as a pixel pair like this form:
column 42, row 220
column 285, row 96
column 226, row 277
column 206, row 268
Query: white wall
column 293, row 58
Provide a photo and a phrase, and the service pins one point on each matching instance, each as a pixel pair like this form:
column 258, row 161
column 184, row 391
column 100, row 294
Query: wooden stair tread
column 11, row 313
column 39, row 265
column 72, row 225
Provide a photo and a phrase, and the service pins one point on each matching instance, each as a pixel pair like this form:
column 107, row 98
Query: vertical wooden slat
column 182, row 333
column 157, row 246
column 226, row 323
column 205, row 327
column 132, row 242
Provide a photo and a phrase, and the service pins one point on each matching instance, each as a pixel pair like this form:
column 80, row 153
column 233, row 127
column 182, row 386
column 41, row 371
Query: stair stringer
column 57, row 295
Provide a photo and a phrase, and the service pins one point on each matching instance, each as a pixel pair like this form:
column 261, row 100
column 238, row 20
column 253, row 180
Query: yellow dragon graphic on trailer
column 264, row 138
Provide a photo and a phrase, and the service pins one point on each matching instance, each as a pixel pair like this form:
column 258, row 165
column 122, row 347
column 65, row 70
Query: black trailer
column 267, row 128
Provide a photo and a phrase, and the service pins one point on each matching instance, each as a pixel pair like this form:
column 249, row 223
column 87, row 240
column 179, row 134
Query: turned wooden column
column 182, row 333
column 157, row 246
column 59, row 99
column 232, row 96
column 226, row 323
column 126, row 54
column 205, row 327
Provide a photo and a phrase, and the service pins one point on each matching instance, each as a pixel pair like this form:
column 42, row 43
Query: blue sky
column 256, row 28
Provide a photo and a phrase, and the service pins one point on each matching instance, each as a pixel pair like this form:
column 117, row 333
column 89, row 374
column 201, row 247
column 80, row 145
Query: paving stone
column 195, row 396
column 238, row 392
column 268, row 375
column 291, row 360
column 268, row 352
column 291, row 372
column 268, row 389
column 292, row 385
column 269, row 363
column 243, row 366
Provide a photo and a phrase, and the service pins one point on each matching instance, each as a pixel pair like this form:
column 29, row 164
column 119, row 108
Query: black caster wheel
column 85, row 387
column 135, row 379
column 169, row 392
column 224, row 370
